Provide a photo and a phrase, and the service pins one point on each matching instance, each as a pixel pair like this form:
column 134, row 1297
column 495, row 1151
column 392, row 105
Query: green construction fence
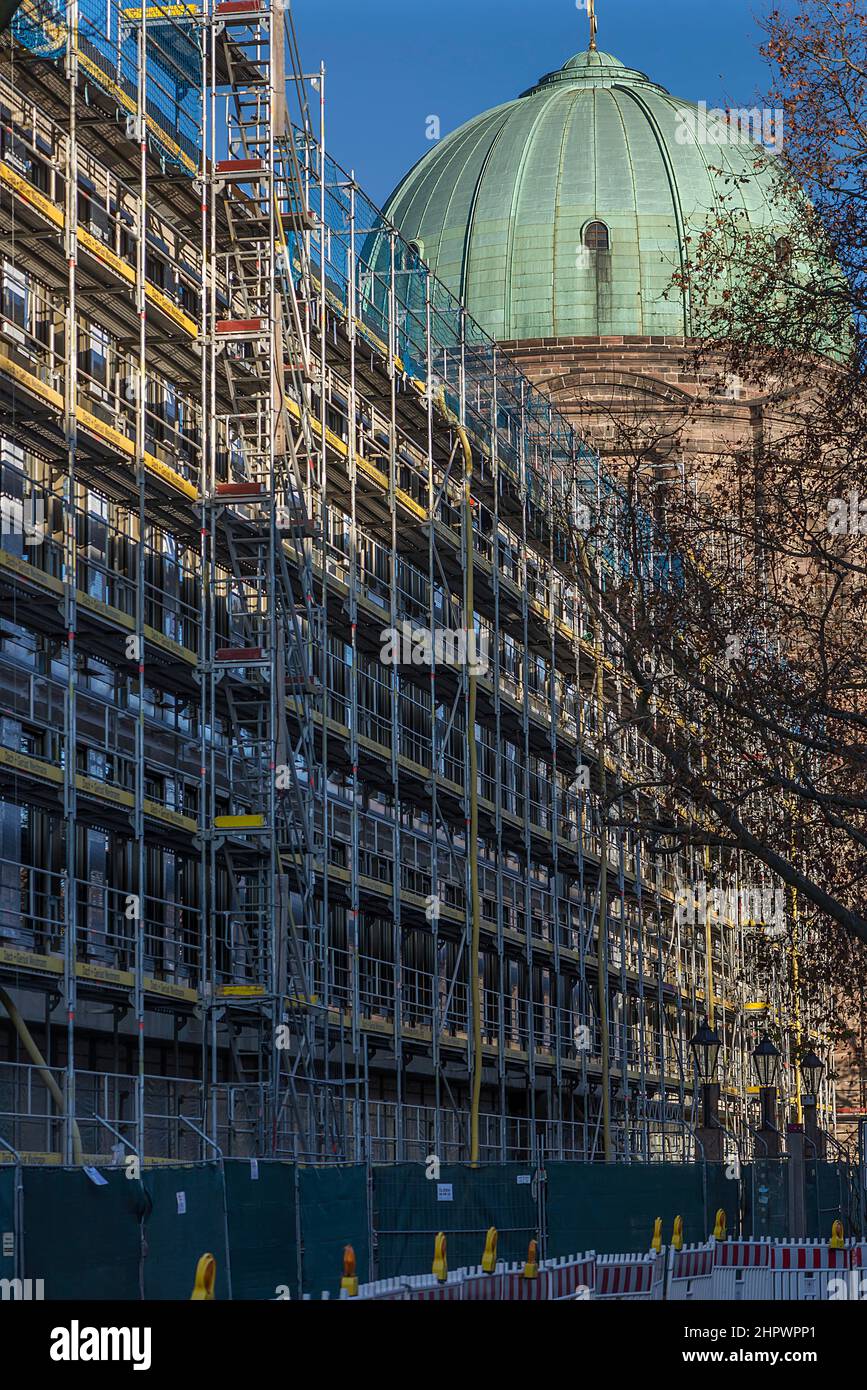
column 278, row 1230
column 413, row 1202
column 611, row 1208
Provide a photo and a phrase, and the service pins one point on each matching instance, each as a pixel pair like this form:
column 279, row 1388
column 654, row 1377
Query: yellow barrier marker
column 206, row 1276
column 440, row 1263
column 656, row 1243
column 489, row 1259
column 531, row 1268
column 836, row 1242
column 677, row 1234
column 349, row 1282
column 719, row 1230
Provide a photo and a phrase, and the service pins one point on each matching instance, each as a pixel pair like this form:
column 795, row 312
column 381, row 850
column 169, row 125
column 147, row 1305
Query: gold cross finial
column 591, row 12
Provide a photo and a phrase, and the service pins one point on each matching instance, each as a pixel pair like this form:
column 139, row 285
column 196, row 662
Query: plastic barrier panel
column 802, row 1270
column 390, row 1290
column 518, row 1289
column 425, row 1288
column 742, row 1270
column 851, row 1286
column 573, row 1277
column 690, row 1272
column 479, row 1287
column 630, row 1277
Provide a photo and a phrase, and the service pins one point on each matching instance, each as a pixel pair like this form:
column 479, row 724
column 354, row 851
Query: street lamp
column 705, row 1049
column 811, row 1070
column 705, row 1046
column 766, row 1060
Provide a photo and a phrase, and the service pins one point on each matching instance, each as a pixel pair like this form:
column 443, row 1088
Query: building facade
column 277, row 875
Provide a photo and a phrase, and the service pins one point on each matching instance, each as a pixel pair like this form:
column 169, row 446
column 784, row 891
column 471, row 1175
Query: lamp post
column 705, row 1046
column 766, row 1060
column 812, row 1068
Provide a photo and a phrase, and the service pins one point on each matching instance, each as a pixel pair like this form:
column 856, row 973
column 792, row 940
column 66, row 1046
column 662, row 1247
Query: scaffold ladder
column 263, row 624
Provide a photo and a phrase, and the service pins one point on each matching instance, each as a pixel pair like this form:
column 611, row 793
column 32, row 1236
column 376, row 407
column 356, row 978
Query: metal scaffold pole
column 70, row 588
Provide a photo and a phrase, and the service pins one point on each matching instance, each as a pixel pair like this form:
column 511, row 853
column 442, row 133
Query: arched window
column 783, row 251
column 596, row 237
column 418, row 247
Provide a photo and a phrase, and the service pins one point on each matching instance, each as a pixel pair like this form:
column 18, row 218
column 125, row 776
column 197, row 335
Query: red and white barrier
column 479, row 1287
column 803, row 1269
column 727, row 1270
column 572, row 1277
column 630, row 1277
column 391, row 1290
column 742, row 1270
column 690, row 1273
column 518, row 1289
column 426, row 1288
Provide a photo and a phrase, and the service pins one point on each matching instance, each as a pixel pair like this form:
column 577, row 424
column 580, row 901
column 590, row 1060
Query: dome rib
column 480, row 127
column 628, row 148
column 465, row 253
column 676, row 205
column 517, row 187
column 558, row 187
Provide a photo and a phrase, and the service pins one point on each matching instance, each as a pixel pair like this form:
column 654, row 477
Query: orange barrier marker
column 349, row 1282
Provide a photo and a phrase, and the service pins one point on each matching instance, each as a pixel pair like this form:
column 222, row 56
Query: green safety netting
column 611, row 1208
column 333, row 1205
column 410, row 1208
column 82, row 1233
column 186, row 1218
column 262, row 1228
column 278, row 1231
column 9, row 1234
column 829, row 1196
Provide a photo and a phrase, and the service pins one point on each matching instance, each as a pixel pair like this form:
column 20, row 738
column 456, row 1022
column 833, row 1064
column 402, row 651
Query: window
column 596, row 237
column 14, row 295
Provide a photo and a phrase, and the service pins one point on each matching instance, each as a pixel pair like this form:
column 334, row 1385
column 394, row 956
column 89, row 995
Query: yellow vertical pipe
column 473, row 772
column 475, row 938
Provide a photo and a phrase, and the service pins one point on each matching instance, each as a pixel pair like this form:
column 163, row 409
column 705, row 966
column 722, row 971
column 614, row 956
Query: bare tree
column 738, row 605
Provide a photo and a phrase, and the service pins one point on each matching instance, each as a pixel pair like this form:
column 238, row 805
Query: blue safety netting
column 407, row 312
column 107, row 46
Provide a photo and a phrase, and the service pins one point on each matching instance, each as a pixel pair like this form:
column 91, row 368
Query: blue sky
column 392, row 63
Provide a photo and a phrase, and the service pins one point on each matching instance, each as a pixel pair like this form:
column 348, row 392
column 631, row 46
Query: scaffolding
column 263, row 886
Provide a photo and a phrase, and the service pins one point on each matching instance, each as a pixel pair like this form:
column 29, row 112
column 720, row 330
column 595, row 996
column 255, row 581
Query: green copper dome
column 501, row 206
